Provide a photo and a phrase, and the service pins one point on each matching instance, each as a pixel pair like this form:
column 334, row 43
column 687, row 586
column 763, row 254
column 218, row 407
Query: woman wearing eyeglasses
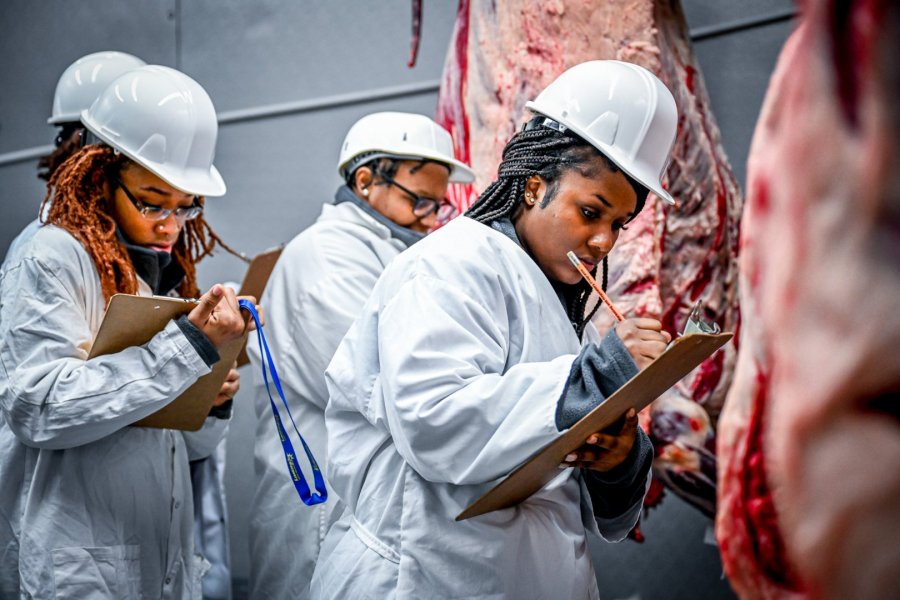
column 93, row 507
column 397, row 167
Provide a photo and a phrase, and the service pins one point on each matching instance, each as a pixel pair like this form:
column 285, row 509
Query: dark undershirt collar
column 404, row 234
column 157, row 269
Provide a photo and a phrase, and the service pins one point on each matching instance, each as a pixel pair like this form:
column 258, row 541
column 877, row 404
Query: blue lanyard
column 290, row 456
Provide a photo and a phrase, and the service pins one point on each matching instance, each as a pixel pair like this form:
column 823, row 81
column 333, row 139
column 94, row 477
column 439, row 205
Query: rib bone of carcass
column 501, row 55
column 809, row 440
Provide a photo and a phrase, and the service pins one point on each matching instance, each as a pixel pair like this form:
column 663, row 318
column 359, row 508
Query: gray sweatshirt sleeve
column 597, row 372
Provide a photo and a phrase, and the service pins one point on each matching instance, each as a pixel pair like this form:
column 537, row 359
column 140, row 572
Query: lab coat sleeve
column 456, row 412
column 203, row 442
column 50, row 394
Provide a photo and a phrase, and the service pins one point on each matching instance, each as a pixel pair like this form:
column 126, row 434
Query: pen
column 587, row 277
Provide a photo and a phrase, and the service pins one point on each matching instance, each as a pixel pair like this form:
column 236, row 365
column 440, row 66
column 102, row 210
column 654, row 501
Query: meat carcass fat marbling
column 501, row 55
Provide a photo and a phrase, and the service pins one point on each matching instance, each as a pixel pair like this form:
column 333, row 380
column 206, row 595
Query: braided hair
column 548, row 150
column 80, row 206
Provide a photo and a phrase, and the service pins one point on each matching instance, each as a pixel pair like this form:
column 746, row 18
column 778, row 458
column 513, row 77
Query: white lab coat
column 317, row 289
column 26, row 234
column 89, row 507
column 447, row 382
column 211, row 536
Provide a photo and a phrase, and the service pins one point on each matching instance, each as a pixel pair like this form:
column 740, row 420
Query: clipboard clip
column 696, row 322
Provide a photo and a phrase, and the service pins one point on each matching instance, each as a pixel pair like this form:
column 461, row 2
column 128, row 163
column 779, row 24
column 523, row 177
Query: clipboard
column 254, row 284
column 133, row 321
column 682, row 356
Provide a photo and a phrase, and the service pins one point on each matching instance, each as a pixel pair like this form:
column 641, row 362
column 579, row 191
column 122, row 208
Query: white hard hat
column 84, row 79
column 621, row 109
column 400, row 135
column 164, row 121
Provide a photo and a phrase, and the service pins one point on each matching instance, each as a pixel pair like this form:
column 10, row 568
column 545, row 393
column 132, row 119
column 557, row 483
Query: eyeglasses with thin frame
column 152, row 212
column 423, row 206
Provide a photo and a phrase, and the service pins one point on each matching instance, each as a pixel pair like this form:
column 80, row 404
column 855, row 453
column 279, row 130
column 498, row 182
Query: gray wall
column 288, row 78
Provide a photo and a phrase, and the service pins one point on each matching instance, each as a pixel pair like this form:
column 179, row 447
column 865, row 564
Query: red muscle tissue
column 809, row 440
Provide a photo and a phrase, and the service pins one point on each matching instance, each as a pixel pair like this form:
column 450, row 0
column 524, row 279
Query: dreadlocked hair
column 546, row 152
column 81, row 207
column 196, row 242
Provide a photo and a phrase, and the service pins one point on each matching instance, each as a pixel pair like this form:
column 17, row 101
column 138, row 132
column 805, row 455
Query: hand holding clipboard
column 683, row 355
column 134, row 320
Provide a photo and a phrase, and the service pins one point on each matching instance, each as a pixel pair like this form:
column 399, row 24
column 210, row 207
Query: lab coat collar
column 407, row 236
column 565, row 292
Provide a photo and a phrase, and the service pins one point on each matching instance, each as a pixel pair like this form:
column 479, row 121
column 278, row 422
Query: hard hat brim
column 66, row 118
column 461, row 173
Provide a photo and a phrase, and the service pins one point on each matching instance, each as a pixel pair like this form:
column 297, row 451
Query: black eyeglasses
column 152, row 212
column 422, row 205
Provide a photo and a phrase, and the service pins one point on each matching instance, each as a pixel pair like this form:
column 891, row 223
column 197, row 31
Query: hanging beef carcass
column 501, row 55
column 809, row 440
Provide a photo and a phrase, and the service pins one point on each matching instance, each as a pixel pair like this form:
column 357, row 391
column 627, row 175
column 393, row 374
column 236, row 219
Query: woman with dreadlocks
column 475, row 349
column 90, row 506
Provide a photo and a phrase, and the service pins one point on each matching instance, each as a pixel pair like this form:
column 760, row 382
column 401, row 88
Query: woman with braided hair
column 90, row 506
column 475, row 350
column 541, row 154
